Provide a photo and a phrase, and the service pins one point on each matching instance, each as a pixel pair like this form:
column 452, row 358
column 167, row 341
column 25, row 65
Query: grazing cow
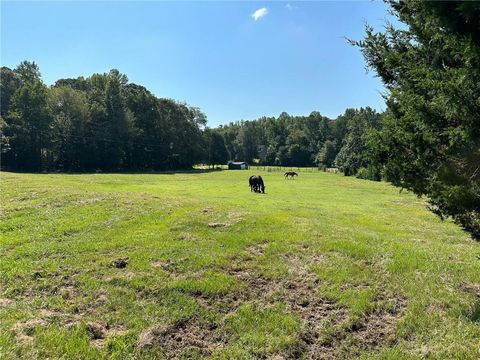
column 291, row 174
column 256, row 184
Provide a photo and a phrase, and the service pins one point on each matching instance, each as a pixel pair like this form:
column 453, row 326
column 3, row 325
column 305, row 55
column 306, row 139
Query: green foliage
column 327, row 153
column 286, row 140
column 28, row 72
column 150, row 129
column 116, row 125
column 10, row 82
column 353, row 154
column 430, row 142
column 298, row 152
column 28, row 125
column 217, row 152
column 304, row 140
column 371, row 172
column 103, row 122
column 246, row 142
column 69, row 108
column 79, row 83
column 98, row 123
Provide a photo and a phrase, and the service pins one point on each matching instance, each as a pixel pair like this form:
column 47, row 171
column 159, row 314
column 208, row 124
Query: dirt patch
column 101, row 298
column 300, row 264
column 57, row 282
column 25, row 330
column 317, row 313
column 6, row 302
column 257, row 249
column 231, row 218
column 471, row 288
column 207, row 210
column 96, row 330
column 379, row 327
column 299, row 293
column 161, row 265
column 259, row 288
column 217, row 225
column 276, row 357
column 327, row 327
column 99, row 332
column 129, row 275
column 170, row 266
column 64, row 319
column 187, row 336
column 67, row 292
column 365, row 334
column 48, row 314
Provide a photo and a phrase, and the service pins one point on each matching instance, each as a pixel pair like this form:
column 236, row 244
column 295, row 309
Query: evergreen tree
column 430, row 142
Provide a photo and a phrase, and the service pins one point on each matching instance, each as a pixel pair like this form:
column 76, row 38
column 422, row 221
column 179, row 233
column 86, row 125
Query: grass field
column 323, row 266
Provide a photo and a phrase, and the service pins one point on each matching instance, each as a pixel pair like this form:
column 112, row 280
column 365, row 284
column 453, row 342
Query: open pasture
column 194, row 265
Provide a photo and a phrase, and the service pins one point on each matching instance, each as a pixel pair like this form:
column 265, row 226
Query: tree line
column 105, row 123
column 102, row 122
column 312, row 140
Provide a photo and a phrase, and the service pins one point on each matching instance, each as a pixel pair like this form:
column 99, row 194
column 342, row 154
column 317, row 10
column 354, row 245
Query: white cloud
column 258, row 14
column 289, row 7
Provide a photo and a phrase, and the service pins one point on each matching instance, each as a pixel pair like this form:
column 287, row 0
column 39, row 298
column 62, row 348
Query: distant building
column 237, row 165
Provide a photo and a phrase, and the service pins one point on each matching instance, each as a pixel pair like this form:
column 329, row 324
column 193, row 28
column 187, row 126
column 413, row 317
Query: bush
column 369, row 173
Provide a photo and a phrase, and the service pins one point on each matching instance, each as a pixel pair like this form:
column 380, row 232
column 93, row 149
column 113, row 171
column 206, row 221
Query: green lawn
column 323, row 266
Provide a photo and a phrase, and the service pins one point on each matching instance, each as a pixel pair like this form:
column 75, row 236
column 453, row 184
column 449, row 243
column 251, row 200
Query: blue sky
column 291, row 56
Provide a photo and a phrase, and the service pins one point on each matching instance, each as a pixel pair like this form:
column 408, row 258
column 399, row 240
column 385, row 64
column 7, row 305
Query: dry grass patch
column 177, row 339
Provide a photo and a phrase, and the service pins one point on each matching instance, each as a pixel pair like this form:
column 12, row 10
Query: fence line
column 286, row 168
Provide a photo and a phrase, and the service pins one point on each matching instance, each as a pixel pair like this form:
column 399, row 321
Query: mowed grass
column 323, row 266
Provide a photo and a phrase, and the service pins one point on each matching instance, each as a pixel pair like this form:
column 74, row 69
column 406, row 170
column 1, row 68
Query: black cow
column 256, row 184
